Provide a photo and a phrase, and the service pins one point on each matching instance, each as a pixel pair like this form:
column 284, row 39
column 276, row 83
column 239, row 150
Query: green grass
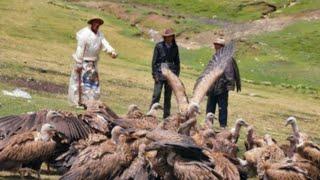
column 38, row 34
column 228, row 9
column 289, row 56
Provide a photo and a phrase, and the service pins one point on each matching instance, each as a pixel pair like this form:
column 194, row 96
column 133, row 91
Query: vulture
column 107, row 161
column 253, row 140
column 233, row 134
column 182, row 161
column 296, row 132
column 261, row 156
column 224, row 166
column 134, row 112
column 64, row 122
column 289, row 149
column 205, row 134
column 309, row 151
column 284, row 171
column 96, row 106
column 64, row 162
column 99, row 117
column 28, row 147
column 147, row 121
column 213, row 71
column 140, row 168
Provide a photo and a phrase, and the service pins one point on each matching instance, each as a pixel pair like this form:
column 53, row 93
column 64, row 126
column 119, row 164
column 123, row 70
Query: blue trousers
column 222, row 101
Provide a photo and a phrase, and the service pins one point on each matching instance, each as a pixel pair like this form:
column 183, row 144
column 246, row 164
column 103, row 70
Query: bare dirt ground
column 33, row 84
column 242, row 30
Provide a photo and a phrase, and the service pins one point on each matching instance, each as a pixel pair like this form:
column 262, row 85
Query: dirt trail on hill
column 242, row 30
column 229, row 30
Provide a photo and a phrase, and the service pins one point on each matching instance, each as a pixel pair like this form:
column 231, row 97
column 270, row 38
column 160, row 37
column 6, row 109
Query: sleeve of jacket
column 237, row 75
column 155, row 62
column 177, row 61
column 78, row 55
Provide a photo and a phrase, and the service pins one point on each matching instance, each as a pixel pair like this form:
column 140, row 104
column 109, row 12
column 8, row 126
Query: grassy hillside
column 37, row 39
column 286, row 57
column 236, row 10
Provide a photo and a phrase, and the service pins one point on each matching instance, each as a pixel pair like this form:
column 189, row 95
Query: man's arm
column 155, row 63
column 177, row 61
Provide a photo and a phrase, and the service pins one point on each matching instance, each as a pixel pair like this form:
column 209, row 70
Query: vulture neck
column 209, row 123
column 43, row 136
column 152, row 112
column 295, row 129
column 236, row 131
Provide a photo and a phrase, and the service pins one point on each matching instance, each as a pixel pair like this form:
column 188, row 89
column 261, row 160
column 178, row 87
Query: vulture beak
column 287, row 123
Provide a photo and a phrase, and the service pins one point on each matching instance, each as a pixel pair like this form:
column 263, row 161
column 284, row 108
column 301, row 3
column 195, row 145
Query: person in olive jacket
column 167, row 52
column 219, row 93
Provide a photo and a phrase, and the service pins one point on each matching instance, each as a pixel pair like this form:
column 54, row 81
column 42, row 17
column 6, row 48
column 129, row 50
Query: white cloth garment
column 87, row 53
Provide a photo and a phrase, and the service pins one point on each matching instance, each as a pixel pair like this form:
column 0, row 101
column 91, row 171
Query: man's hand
column 78, row 69
column 114, row 55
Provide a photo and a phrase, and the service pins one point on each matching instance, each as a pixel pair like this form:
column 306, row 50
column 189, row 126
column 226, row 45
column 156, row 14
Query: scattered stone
column 17, row 93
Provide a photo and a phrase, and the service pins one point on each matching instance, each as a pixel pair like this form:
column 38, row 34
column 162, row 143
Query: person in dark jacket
column 165, row 51
column 219, row 93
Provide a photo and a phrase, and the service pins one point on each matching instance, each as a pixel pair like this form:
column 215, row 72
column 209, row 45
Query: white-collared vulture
column 28, row 147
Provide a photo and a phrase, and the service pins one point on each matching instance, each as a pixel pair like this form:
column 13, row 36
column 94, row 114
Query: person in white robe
column 84, row 81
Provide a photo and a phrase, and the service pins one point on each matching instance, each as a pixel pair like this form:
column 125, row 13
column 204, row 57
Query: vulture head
column 241, row 122
column 52, row 115
column 116, row 132
column 193, row 109
column 132, row 108
column 209, row 119
column 154, row 109
column 47, row 132
column 291, row 121
column 268, row 139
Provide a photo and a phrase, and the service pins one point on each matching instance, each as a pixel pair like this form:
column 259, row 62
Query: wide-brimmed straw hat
column 220, row 41
column 93, row 20
column 168, row 32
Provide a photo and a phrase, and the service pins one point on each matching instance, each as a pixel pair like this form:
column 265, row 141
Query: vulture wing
column 177, row 87
column 195, row 170
column 213, row 71
column 66, row 123
column 23, row 148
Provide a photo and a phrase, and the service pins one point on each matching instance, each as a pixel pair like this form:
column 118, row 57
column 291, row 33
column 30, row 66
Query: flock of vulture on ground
column 99, row 144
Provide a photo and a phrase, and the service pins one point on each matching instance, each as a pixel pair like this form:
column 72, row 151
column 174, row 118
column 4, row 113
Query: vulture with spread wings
column 66, row 123
column 213, row 71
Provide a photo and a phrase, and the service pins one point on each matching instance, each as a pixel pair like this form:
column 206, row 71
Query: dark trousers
column 167, row 96
column 222, row 101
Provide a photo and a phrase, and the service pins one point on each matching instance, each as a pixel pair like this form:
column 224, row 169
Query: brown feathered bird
column 27, row 147
column 253, row 141
column 64, row 122
column 140, row 168
column 284, row 171
column 182, row 161
column 310, row 151
column 212, row 72
column 147, row 121
column 295, row 129
column 233, row 134
column 289, row 149
column 223, row 166
column 104, row 162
